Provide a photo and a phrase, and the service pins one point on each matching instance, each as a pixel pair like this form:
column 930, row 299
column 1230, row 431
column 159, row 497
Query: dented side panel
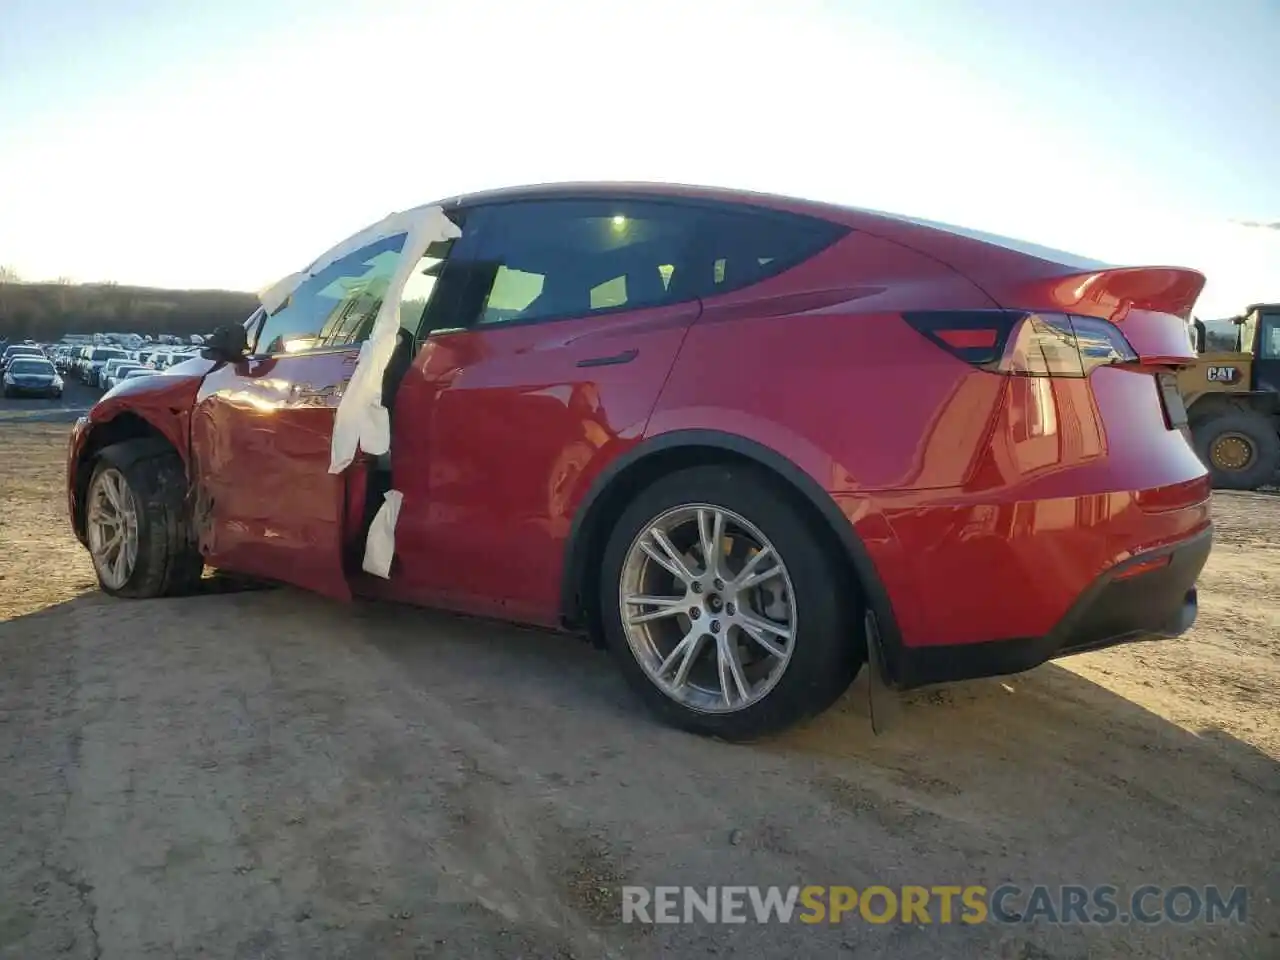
column 265, row 501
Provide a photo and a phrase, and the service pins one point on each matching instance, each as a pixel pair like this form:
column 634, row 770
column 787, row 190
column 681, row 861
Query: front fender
column 164, row 401
column 149, row 413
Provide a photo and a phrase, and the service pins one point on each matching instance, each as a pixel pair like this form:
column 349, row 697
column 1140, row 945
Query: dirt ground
column 266, row 774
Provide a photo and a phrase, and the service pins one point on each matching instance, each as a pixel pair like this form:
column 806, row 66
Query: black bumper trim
column 1153, row 605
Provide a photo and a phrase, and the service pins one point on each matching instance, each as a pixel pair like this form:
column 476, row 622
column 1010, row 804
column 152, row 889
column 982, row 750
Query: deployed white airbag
column 380, row 545
column 361, row 421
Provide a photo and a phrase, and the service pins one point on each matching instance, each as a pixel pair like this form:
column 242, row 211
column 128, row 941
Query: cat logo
column 1222, row 374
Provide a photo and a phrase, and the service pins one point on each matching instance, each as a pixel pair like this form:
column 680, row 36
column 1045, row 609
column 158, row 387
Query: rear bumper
column 1145, row 598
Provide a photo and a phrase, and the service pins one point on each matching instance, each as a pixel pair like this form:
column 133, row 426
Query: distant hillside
column 46, row 311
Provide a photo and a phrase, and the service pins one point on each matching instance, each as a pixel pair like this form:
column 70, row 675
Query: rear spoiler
column 1150, row 305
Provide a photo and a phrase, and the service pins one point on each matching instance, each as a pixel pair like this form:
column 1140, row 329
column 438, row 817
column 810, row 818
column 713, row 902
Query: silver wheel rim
column 113, row 528
column 708, row 608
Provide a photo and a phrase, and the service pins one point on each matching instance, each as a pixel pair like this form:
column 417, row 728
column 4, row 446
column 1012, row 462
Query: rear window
column 106, row 354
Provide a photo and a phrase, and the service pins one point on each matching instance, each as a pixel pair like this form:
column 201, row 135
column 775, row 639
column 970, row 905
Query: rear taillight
column 1025, row 344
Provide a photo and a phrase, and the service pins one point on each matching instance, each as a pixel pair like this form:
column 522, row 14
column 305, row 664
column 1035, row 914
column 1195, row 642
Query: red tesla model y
column 713, row 430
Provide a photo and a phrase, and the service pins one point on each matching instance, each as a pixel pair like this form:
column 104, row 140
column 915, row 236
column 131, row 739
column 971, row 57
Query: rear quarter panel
column 817, row 364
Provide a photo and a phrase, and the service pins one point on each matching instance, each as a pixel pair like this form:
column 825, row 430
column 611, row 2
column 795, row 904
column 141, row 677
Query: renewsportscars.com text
column 942, row 904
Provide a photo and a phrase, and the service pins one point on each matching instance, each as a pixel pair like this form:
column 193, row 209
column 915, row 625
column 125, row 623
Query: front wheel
column 724, row 608
column 137, row 530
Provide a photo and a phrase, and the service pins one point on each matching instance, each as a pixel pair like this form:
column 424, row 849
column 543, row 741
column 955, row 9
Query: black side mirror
column 226, row 344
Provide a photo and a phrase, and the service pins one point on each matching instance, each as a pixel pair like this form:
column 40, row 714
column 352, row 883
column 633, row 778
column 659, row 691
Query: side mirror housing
column 226, row 344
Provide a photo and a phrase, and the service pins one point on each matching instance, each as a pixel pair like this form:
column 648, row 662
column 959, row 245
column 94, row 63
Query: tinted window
column 745, row 246
column 553, row 259
column 336, row 307
column 1270, row 345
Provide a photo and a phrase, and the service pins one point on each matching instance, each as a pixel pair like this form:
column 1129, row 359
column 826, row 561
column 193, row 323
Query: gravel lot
column 264, row 774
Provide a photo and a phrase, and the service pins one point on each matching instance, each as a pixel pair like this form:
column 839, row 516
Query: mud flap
column 883, row 705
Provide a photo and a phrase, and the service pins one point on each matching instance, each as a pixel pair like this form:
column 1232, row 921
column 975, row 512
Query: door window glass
column 555, row 259
column 336, row 307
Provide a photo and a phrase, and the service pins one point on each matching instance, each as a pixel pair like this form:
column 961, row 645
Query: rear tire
column 1239, row 447
column 151, row 504
column 803, row 674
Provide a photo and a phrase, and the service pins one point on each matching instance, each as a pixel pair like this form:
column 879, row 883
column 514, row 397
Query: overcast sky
column 225, row 144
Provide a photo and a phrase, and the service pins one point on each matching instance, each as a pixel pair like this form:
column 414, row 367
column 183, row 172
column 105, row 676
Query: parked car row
column 105, row 366
column 41, row 370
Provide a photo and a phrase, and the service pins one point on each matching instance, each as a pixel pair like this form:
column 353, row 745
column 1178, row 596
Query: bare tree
column 9, row 275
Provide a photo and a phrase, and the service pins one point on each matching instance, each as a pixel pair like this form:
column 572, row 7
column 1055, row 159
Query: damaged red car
column 743, row 441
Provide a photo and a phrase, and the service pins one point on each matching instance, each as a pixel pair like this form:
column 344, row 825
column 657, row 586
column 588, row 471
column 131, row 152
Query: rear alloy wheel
column 137, row 530
column 724, row 609
column 1240, row 448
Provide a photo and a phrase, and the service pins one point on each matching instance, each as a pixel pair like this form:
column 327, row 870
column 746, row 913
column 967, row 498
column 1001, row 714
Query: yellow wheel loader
column 1233, row 401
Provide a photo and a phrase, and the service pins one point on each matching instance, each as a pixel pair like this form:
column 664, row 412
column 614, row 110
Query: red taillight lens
column 1025, row 344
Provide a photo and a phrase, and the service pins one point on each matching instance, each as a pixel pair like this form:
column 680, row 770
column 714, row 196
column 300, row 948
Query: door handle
column 626, row 356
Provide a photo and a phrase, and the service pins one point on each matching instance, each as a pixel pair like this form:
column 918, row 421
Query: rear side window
column 743, row 246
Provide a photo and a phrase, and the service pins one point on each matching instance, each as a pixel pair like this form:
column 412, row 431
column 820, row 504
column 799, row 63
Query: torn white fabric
column 361, row 421
column 380, row 544
column 274, row 296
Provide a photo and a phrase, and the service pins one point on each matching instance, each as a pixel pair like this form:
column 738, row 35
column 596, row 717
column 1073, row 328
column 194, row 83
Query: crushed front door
column 262, row 430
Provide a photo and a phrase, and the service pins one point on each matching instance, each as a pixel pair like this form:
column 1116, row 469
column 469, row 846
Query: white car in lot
column 104, row 373
column 115, row 372
column 97, row 358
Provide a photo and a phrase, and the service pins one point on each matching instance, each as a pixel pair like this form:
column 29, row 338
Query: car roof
column 858, row 217
column 640, row 189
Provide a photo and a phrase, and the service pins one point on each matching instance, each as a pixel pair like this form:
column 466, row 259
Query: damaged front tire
column 137, row 527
